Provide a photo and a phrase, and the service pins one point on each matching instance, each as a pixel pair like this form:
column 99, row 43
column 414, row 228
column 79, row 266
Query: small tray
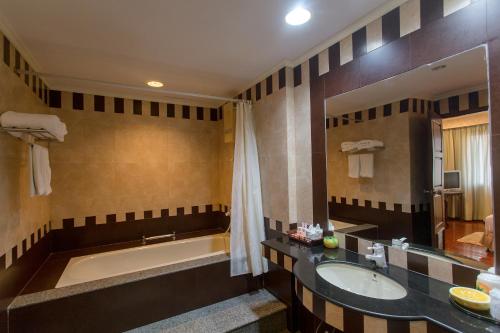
column 484, row 315
column 292, row 234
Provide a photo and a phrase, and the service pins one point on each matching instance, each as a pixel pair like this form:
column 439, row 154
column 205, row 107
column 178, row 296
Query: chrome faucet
column 378, row 255
column 145, row 239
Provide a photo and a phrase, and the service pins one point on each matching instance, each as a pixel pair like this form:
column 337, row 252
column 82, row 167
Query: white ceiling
column 213, row 47
column 462, row 72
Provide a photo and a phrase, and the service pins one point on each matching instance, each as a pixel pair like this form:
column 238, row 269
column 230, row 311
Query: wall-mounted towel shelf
column 25, row 133
column 363, row 150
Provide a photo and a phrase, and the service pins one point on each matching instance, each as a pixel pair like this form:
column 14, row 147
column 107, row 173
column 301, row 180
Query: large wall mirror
column 409, row 157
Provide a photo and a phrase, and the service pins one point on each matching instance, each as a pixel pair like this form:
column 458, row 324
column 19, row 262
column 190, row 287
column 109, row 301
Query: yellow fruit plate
column 470, row 298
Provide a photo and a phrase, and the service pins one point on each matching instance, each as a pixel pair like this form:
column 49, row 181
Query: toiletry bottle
column 495, row 303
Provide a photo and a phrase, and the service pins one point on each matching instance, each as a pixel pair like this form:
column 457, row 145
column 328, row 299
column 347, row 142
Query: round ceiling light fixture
column 154, row 84
column 298, row 16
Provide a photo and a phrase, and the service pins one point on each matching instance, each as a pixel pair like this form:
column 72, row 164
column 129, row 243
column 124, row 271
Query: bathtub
column 107, row 264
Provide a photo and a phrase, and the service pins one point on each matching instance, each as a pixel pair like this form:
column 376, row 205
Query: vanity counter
column 427, row 298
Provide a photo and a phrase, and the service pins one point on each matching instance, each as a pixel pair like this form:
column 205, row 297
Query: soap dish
column 484, row 315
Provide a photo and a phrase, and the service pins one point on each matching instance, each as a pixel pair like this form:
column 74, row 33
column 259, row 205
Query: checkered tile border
column 431, row 266
column 11, row 257
column 79, row 102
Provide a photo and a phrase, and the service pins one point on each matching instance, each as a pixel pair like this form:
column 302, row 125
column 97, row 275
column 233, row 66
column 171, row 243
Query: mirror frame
column 471, row 27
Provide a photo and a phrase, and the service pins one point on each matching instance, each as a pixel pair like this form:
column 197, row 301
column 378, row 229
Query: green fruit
column 331, row 242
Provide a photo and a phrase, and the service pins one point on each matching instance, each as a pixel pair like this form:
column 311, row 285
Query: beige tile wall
column 117, row 163
column 20, row 215
column 391, row 182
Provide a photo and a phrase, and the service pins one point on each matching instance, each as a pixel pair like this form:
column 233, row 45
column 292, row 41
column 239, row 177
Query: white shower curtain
column 247, row 218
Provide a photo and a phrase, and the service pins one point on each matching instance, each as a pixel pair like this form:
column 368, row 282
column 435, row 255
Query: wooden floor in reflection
column 458, row 229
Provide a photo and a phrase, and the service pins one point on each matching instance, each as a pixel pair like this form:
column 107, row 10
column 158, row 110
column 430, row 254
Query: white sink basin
column 361, row 281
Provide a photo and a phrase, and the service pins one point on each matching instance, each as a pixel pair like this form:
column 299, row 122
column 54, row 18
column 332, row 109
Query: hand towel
column 366, row 165
column 353, row 165
column 347, row 146
column 50, row 123
column 40, row 170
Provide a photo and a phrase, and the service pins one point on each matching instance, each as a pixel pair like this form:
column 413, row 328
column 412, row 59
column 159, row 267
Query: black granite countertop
column 427, row 298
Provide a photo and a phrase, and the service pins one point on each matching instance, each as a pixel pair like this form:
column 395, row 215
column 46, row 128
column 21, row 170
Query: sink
column 361, row 281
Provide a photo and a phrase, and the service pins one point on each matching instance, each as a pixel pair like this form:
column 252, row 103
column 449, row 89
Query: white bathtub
column 113, row 263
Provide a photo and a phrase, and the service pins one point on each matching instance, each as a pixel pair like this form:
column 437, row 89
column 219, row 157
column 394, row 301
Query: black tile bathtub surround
column 427, row 298
column 126, row 306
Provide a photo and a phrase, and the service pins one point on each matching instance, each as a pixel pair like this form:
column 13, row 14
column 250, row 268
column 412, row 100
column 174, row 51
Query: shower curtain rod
column 120, row 85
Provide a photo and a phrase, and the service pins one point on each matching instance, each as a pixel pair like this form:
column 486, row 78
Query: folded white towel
column 366, row 165
column 348, row 146
column 368, row 144
column 353, row 165
column 48, row 122
column 40, row 173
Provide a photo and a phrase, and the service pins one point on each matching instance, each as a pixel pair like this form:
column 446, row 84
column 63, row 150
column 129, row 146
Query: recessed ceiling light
column 298, row 16
column 155, row 84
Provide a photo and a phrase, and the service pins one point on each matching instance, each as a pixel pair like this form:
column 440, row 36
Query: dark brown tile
column 319, row 307
column 213, row 114
column 99, row 103
column 464, row 276
column 170, row 110
column 390, row 26
column 248, row 94
column 404, row 105
column 78, row 101
column 155, row 109
column 6, row 51
column 68, row 223
column 417, row 263
column 269, row 85
column 90, row 221
column 119, row 105
column 186, row 113
column 387, row 110
column 281, row 79
column 54, row 99
column 148, row 214
column 398, row 326
column 257, row 91
column 297, row 75
column 453, row 104
column 279, row 226
column 430, row 10
column 26, row 73
column 351, row 243
column 359, row 43
column 111, row 218
column 199, row 113
column 372, row 114
column 33, row 83
column 17, row 63
column 334, row 56
column 180, row 211
column 137, row 107
column 130, row 217
column 353, row 321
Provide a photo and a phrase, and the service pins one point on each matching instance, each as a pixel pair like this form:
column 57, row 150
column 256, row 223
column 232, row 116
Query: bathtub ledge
column 81, row 288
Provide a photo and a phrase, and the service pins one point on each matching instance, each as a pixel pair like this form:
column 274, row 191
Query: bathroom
column 204, row 170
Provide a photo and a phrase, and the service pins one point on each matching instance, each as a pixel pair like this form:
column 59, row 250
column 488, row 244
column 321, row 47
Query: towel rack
column 363, row 150
column 39, row 134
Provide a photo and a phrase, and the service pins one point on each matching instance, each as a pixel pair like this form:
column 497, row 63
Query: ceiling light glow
column 298, row 16
column 155, row 84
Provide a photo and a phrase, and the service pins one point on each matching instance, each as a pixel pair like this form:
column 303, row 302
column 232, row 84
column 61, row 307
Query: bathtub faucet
column 145, row 239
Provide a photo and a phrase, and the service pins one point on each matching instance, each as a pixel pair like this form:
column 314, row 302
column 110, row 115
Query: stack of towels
column 361, row 165
column 50, row 123
column 39, row 166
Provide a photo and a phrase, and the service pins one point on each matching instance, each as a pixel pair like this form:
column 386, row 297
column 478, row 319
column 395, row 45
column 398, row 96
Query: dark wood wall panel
column 448, row 36
column 393, row 59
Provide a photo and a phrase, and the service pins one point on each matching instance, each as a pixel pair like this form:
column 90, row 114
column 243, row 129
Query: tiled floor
column 458, row 229
column 255, row 312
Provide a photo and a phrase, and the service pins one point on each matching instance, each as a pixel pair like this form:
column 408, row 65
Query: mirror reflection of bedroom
column 410, row 157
